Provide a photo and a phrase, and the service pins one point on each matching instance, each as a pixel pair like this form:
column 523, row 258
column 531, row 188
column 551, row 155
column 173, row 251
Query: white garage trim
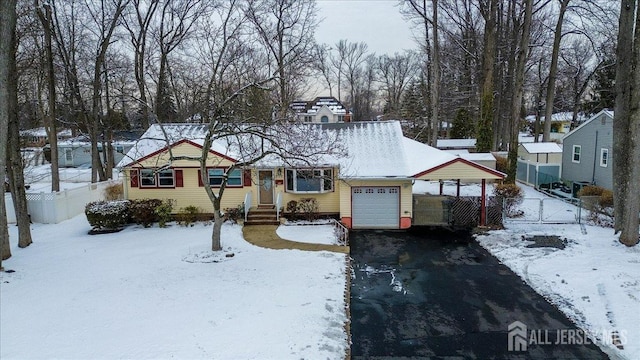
column 375, row 207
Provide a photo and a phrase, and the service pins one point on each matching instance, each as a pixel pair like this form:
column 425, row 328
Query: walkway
column 265, row 236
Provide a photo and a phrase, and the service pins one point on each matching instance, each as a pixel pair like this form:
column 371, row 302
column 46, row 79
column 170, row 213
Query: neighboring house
column 321, row 110
column 38, row 137
column 370, row 187
column 560, row 123
column 587, row 152
column 541, row 152
column 77, row 151
column 485, row 159
column 457, row 144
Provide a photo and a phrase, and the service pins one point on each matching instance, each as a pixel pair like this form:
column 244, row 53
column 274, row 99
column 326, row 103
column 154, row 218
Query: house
column 369, row 188
column 457, row 144
column 587, row 152
column 38, row 137
column 541, row 152
column 561, row 123
column 76, row 152
column 321, row 110
column 485, row 159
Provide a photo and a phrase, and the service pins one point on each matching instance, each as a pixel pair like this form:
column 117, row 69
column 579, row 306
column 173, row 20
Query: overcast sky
column 375, row 22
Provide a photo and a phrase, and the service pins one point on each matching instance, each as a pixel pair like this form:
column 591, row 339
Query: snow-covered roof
column 457, row 151
column 456, row 143
column 369, row 150
column 527, row 138
column 478, row 156
column 561, row 116
column 542, row 147
column 42, row 132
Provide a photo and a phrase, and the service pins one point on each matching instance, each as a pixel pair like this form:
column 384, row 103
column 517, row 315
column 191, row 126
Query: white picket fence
column 52, row 208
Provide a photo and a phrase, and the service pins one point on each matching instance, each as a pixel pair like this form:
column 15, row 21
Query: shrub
column 512, row 195
column 114, row 192
column 188, row 215
column 107, row 214
column 502, row 164
column 591, row 190
column 292, row 210
column 163, row 212
column 143, row 211
column 234, row 214
column 599, row 202
column 308, row 208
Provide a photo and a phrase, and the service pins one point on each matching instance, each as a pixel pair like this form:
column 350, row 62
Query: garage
column 375, row 207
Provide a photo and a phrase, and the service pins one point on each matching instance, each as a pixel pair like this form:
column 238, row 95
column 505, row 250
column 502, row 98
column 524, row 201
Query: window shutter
column 179, row 181
column 133, row 177
column 247, row 178
column 200, row 178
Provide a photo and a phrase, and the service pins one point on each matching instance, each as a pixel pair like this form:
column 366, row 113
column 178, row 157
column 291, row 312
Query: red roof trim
column 465, row 161
column 174, row 145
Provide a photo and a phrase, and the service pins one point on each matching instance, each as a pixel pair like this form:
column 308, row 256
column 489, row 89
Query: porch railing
column 278, row 205
column 341, row 231
column 247, row 205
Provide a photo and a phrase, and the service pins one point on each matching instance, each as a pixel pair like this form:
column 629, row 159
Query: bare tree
column 626, row 125
column 352, row 57
column 395, row 73
column 138, row 24
column 44, row 15
column 7, row 105
column 286, row 29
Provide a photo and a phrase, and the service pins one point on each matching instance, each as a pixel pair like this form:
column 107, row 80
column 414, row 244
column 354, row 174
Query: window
column 120, row 149
column 165, row 178
column 308, row 118
column 324, row 119
column 309, row 180
column 604, row 157
column 147, row 178
column 340, row 118
column 216, row 176
column 68, row 154
column 575, row 157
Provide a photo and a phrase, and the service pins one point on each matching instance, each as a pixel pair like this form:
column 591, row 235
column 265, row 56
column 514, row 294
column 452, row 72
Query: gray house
column 587, row 151
column 76, row 152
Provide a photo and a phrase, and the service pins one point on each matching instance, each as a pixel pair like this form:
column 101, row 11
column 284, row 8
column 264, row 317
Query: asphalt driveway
column 441, row 295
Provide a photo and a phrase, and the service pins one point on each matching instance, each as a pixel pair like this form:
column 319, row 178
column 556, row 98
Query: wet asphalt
column 440, row 295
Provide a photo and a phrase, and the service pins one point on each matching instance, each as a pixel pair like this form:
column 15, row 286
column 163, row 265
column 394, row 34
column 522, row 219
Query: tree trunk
column 553, row 71
column 521, row 56
column 7, row 81
column 216, row 244
column 435, row 80
column 14, row 155
column 485, row 132
column 626, row 127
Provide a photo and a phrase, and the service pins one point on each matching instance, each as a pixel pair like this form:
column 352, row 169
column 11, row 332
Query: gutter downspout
column 595, row 156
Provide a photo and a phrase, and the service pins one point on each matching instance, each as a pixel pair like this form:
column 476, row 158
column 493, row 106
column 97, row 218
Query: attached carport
column 451, row 168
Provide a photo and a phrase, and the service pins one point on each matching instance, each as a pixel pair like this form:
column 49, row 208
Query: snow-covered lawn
column 320, row 234
column 595, row 280
column 155, row 293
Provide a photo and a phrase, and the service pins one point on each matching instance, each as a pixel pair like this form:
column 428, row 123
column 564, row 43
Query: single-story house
column 540, row 152
column 457, row 144
column 561, row 123
column 76, row 152
column 368, row 187
column 587, row 152
column 38, row 137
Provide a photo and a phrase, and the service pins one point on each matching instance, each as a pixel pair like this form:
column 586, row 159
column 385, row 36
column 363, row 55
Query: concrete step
column 261, row 222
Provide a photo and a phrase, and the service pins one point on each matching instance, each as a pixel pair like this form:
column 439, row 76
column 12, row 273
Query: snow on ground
column 157, row 293
column 595, row 280
column 319, row 234
column 42, row 174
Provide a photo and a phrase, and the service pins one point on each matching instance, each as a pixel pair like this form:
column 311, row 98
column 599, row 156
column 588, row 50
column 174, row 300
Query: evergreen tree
column 462, row 125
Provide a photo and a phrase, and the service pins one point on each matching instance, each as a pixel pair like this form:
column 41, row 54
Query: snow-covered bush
column 163, row 211
column 292, row 210
column 188, row 215
column 234, row 214
column 308, row 208
column 108, row 215
column 143, row 211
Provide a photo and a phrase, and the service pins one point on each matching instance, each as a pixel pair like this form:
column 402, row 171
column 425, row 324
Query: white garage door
column 375, row 207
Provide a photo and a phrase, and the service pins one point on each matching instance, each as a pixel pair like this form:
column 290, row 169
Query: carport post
column 441, row 186
column 483, row 208
column 458, row 188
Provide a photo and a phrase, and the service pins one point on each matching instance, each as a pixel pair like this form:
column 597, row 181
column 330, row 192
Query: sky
column 375, row 22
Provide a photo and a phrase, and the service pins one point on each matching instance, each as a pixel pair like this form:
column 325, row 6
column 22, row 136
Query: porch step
column 262, row 216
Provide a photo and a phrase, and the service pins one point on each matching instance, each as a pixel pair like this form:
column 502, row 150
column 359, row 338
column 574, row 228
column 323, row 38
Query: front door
column 265, row 182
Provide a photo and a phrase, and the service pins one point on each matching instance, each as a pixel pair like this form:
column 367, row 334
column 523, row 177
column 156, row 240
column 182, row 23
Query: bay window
column 309, row 180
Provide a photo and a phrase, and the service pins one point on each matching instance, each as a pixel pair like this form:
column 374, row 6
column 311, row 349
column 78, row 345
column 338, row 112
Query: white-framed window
column 309, row 180
column 216, row 176
column 68, row 155
column 308, row 118
column 165, row 178
column 575, row 154
column 147, row 178
column 604, row 157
